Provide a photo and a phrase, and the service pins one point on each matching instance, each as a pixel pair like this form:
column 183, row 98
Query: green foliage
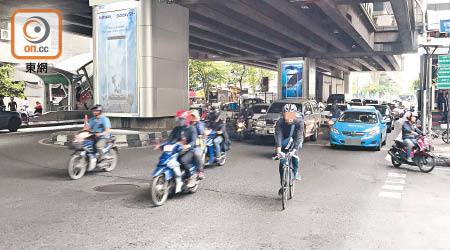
column 211, row 75
column 382, row 88
column 415, row 86
column 7, row 85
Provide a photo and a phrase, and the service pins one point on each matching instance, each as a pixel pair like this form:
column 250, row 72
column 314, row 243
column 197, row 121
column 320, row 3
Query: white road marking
column 388, row 158
column 393, row 195
column 397, row 175
column 395, row 181
column 393, row 187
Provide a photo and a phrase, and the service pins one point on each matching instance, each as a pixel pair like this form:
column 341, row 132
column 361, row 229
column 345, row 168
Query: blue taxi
column 361, row 126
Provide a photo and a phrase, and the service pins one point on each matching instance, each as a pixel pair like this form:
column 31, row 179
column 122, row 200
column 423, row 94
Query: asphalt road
column 347, row 199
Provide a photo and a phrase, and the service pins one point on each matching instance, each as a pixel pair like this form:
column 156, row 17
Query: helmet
column 182, row 118
column 289, row 108
column 97, row 107
column 214, row 115
column 195, row 115
column 411, row 114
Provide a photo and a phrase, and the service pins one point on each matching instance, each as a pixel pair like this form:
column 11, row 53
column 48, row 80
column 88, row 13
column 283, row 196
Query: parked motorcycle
column 209, row 149
column 84, row 159
column 164, row 182
column 421, row 154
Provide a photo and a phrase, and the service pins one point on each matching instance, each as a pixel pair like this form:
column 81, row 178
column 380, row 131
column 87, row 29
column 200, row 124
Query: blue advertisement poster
column 291, row 79
column 445, row 26
column 116, row 56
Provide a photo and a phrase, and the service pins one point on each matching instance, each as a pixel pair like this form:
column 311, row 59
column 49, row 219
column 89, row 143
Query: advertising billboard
column 117, row 66
column 291, row 79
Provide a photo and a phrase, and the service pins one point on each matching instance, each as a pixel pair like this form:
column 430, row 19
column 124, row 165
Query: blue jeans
column 294, row 162
column 409, row 145
column 217, row 143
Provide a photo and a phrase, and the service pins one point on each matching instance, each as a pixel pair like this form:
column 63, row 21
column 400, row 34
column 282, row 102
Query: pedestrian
column 444, row 106
column 440, row 100
column 38, row 108
column 2, row 103
column 12, row 105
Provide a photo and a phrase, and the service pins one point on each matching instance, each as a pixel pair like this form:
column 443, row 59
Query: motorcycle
column 26, row 114
column 209, row 149
column 243, row 128
column 164, row 182
column 421, row 154
column 84, row 159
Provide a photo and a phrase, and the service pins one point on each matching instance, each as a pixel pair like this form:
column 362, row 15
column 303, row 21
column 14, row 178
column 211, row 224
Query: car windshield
column 259, row 109
column 341, row 107
column 371, row 101
column 383, row 109
column 356, row 104
column 277, row 107
column 359, row 117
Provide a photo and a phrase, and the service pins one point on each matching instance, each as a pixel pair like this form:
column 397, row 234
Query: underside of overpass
column 347, row 35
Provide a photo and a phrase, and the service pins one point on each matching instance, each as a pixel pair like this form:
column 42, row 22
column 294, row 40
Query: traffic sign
column 443, row 86
column 443, row 80
column 444, row 72
column 444, row 60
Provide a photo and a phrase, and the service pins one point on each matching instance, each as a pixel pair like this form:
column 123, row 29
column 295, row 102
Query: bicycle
column 287, row 174
column 440, row 132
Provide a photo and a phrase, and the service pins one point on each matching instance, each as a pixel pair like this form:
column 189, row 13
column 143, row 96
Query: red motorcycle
column 421, row 154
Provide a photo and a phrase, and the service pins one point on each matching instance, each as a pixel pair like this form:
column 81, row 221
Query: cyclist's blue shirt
column 98, row 126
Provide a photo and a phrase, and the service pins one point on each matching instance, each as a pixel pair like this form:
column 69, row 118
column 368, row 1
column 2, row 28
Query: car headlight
column 334, row 131
column 261, row 123
column 374, row 132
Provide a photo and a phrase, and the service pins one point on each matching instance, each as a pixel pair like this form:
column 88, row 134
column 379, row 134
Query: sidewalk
column 442, row 151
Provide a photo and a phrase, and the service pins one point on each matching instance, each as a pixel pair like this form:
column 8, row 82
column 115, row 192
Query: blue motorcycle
column 84, row 159
column 164, row 182
column 209, row 149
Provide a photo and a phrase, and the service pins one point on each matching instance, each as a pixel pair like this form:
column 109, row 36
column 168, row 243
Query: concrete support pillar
column 158, row 85
column 347, row 84
column 163, row 58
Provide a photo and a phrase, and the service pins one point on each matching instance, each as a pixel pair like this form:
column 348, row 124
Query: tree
column 204, row 76
column 7, row 85
column 415, row 86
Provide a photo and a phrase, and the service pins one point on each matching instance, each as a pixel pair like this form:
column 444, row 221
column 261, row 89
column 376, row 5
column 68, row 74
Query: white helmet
column 411, row 114
column 290, row 108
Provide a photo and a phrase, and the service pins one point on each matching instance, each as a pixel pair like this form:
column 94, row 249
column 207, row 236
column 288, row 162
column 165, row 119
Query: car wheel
column 14, row 124
column 378, row 148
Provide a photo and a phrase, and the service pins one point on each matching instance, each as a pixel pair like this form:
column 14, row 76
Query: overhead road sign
column 444, row 60
column 444, row 72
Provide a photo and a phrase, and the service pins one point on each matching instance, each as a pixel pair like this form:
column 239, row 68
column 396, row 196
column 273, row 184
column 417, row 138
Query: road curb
column 129, row 139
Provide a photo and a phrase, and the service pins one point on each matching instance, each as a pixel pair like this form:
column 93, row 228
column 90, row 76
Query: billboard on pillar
column 116, row 50
column 291, row 78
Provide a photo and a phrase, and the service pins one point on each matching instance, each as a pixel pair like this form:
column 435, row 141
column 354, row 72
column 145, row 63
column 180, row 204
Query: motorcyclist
column 289, row 137
column 218, row 125
column 247, row 113
column 200, row 142
column 335, row 111
column 409, row 133
column 99, row 125
column 187, row 134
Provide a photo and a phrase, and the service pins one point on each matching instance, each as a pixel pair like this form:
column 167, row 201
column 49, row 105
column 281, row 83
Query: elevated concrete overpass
column 333, row 36
column 341, row 34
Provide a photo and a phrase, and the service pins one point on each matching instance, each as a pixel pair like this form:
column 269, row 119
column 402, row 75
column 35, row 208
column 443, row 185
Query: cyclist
column 289, row 137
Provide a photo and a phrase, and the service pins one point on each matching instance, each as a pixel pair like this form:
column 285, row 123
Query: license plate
column 352, row 141
column 271, row 130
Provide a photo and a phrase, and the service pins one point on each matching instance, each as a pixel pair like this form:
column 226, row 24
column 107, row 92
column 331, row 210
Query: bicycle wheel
column 291, row 183
column 444, row 137
column 284, row 186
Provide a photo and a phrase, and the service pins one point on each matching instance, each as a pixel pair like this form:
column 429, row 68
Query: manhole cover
column 116, row 188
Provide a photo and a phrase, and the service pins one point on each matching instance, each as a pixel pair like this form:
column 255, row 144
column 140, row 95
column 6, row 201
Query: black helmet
column 97, row 107
column 214, row 115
